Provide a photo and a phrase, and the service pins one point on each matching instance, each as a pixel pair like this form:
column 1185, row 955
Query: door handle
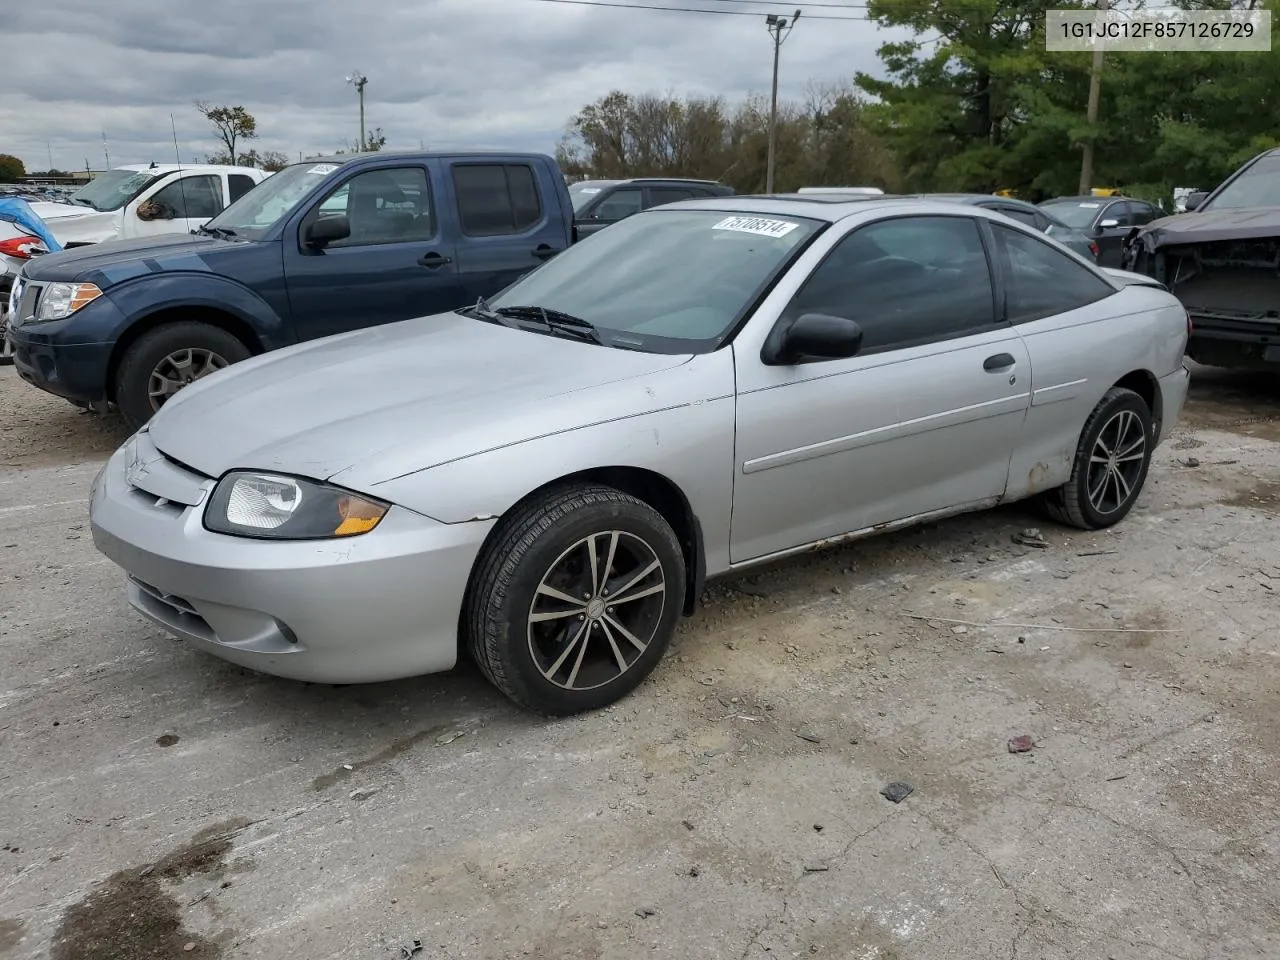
column 544, row 252
column 434, row 260
column 1001, row 361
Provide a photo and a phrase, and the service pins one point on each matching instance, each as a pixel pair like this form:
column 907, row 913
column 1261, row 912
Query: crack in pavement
column 764, row 928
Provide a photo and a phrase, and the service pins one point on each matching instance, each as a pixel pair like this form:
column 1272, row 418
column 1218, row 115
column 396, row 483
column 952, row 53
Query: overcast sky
column 450, row 73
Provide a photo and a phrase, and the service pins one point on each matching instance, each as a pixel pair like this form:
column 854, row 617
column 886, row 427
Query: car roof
column 1087, row 198
column 669, row 180
column 162, row 168
column 826, row 208
column 341, row 158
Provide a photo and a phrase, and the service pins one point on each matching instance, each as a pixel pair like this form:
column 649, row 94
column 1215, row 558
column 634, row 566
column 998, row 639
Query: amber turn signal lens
column 358, row 516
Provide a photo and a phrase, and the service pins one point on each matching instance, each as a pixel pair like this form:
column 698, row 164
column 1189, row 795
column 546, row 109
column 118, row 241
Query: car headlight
column 61, row 300
column 273, row 507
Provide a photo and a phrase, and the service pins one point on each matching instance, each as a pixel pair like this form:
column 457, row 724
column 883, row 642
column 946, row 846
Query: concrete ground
column 157, row 803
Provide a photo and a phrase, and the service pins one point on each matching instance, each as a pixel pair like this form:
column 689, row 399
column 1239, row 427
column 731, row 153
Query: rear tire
column 1111, row 464
column 575, row 599
column 165, row 359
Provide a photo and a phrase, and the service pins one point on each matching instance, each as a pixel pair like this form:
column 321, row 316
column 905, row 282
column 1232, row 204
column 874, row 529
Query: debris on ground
column 1031, row 537
column 1190, row 462
column 816, row 868
column 364, row 793
column 810, row 737
column 447, row 738
column 687, row 824
column 645, row 911
column 897, row 791
column 411, row 951
column 167, row 740
column 1022, row 744
column 695, row 870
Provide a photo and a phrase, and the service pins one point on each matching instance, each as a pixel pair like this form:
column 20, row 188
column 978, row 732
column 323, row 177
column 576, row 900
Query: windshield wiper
column 554, row 320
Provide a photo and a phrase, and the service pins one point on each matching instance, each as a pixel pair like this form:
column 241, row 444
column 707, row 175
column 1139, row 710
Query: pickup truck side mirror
column 327, row 230
column 149, row 210
column 1195, row 199
column 813, row 336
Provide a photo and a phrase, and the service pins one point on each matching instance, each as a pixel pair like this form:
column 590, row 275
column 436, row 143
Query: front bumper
column 69, row 357
column 380, row 606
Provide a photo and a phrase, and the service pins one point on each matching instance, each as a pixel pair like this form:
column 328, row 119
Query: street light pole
column 358, row 80
column 775, row 25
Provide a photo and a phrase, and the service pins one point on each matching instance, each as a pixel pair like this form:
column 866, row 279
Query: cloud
column 444, row 73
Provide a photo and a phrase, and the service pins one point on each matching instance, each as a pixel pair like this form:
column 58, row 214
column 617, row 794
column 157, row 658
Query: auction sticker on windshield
column 761, row 226
column 321, row 169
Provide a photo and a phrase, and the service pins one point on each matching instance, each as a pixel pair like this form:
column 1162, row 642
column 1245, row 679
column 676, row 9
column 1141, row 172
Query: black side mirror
column 812, row 336
column 328, row 229
column 1194, row 200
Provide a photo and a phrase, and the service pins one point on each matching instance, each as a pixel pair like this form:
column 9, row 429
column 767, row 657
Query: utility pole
column 106, row 153
column 776, row 26
column 358, row 80
column 1095, row 91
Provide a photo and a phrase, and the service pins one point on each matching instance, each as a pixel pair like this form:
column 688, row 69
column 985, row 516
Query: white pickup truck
column 145, row 200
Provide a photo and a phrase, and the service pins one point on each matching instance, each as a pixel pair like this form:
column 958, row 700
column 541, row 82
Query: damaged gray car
column 1222, row 260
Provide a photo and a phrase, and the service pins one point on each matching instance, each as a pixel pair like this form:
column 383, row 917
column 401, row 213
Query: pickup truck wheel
column 1111, row 464
column 165, row 360
column 575, row 600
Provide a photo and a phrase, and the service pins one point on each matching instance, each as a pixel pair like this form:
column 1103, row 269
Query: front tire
column 575, row 599
column 165, row 360
column 1111, row 464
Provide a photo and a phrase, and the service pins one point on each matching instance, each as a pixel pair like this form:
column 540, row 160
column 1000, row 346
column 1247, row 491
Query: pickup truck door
column 397, row 263
column 179, row 205
column 509, row 220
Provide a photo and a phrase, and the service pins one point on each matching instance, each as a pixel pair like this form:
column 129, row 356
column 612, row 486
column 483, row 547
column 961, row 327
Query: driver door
column 923, row 419
column 178, row 206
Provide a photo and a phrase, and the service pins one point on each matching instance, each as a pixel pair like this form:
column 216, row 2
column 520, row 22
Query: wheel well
column 1144, row 385
column 661, row 494
column 210, row 315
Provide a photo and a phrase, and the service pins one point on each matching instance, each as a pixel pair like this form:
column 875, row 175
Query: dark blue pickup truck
column 322, row 247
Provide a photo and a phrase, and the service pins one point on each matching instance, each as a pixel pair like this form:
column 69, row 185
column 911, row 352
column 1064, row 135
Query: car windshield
column 259, row 209
column 113, row 189
column 1073, row 213
column 582, row 193
column 1259, row 186
column 666, row 281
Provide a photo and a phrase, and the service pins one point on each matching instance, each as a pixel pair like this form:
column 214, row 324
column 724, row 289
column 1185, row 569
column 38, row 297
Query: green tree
column 11, row 168
column 232, row 124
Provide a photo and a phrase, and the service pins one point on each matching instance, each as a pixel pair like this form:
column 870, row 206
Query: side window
column 1119, row 212
column 195, row 197
column 619, row 205
column 384, row 206
column 661, row 195
column 1022, row 216
column 1142, row 213
column 905, row 281
column 239, row 185
column 496, row 199
column 1040, row 281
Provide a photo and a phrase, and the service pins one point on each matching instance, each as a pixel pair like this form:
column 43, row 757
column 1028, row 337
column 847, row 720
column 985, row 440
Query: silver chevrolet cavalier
column 545, row 480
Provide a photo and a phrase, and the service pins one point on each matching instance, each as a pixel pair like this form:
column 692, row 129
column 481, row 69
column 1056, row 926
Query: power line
column 722, row 13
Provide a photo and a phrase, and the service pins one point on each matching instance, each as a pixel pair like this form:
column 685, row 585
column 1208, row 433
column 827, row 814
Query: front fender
column 155, row 292
column 690, row 445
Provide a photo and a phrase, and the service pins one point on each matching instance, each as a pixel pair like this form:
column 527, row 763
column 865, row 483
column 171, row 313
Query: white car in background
column 17, row 246
column 146, row 200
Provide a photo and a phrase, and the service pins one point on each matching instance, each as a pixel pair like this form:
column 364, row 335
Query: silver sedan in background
column 546, row 480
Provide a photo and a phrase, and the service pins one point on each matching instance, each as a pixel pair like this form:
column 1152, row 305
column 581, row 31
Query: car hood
column 109, row 263
column 1210, row 226
column 369, row 406
column 48, row 210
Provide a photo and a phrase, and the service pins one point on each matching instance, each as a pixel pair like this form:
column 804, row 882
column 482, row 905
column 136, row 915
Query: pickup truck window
column 384, row 206
column 496, row 199
column 1258, row 186
column 240, row 185
column 259, row 210
column 195, row 197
